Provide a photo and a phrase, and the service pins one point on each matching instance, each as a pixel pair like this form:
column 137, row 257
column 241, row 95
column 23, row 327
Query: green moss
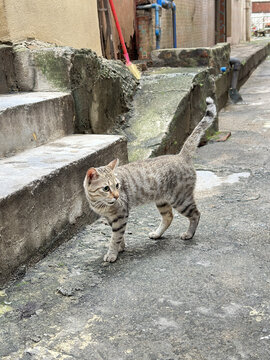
column 146, row 126
column 135, row 154
column 21, row 283
column 4, row 309
column 210, row 135
column 53, row 68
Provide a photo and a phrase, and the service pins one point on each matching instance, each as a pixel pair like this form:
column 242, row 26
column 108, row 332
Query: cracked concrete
column 205, row 299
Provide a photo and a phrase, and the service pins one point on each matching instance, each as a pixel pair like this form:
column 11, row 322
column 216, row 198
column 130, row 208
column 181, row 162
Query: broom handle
column 119, row 31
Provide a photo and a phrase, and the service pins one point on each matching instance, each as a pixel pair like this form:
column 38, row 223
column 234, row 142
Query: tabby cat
column 168, row 180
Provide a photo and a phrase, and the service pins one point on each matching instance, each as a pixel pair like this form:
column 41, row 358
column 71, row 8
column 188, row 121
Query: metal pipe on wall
column 174, row 25
column 248, row 23
column 233, row 92
column 166, row 4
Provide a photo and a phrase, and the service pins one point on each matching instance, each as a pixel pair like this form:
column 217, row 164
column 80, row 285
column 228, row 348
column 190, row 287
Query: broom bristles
column 134, row 70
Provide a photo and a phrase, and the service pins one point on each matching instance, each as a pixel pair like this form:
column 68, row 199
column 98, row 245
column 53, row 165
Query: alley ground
column 205, row 299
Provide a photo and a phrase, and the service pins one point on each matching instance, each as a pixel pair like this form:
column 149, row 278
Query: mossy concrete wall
column 102, row 89
column 189, row 112
column 167, row 107
column 215, row 57
column 7, row 71
column 250, row 56
column 250, row 60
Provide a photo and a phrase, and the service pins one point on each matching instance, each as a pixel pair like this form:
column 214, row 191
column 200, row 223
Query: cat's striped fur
column 167, row 180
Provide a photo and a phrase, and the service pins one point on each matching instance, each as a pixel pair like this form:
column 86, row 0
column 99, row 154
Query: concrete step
column 32, row 119
column 41, row 195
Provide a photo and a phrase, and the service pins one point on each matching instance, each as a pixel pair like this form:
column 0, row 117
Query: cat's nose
column 116, row 195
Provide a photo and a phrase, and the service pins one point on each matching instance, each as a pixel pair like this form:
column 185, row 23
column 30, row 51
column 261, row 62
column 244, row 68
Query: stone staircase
column 32, row 119
column 42, row 166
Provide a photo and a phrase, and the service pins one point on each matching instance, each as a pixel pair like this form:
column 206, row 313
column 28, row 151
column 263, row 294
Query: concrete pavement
column 205, row 299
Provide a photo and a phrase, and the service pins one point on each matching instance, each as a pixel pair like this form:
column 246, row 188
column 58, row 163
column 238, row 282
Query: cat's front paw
column 186, row 236
column 154, row 235
column 110, row 257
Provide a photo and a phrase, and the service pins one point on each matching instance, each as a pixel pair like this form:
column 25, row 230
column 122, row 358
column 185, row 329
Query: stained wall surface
column 126, row 11
column 62, row 22
column 3, row 21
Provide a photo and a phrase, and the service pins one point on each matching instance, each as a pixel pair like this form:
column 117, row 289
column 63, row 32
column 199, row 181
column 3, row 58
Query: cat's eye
column 117, row 186
column 106, row 188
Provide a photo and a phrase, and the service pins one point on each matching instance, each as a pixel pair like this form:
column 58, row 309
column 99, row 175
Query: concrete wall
column 195, row 26
column 126, row 14
column 3, row 21
column 102, row 89
column 238, row 21
column 62, row 22
column 261, row 7
column 125, row 10
column 195, row 23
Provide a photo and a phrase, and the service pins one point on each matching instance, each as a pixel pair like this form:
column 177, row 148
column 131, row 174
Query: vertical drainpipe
column 169, row 4
column 248, row 26
column 159, row 4
column 157, row 7
column 157, row 26
column 174, row 24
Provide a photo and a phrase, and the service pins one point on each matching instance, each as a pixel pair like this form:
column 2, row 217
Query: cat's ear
column 92, row 174
column 113, row 164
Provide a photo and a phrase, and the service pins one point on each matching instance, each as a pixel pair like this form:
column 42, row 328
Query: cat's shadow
column 144, row 248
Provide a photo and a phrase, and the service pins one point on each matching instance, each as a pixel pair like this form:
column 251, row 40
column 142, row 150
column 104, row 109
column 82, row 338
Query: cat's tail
column 189, row 148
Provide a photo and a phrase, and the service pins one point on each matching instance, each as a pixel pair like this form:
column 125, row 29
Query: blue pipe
column 157, row 26
column 174, row 24
column 157, row 7
column 167, row 4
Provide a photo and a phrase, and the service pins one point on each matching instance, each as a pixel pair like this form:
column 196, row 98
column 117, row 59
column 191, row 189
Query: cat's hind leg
column 188, row 208
column 165, row 211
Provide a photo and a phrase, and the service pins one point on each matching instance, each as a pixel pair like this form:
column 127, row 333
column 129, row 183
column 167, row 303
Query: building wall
column 3, row 22
column 195, row 24
column 238, row 21
column 126, row 14
column 125, row 10
column 261, row 7
column 195, row 20
column 145, row 34
column 63, row 22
